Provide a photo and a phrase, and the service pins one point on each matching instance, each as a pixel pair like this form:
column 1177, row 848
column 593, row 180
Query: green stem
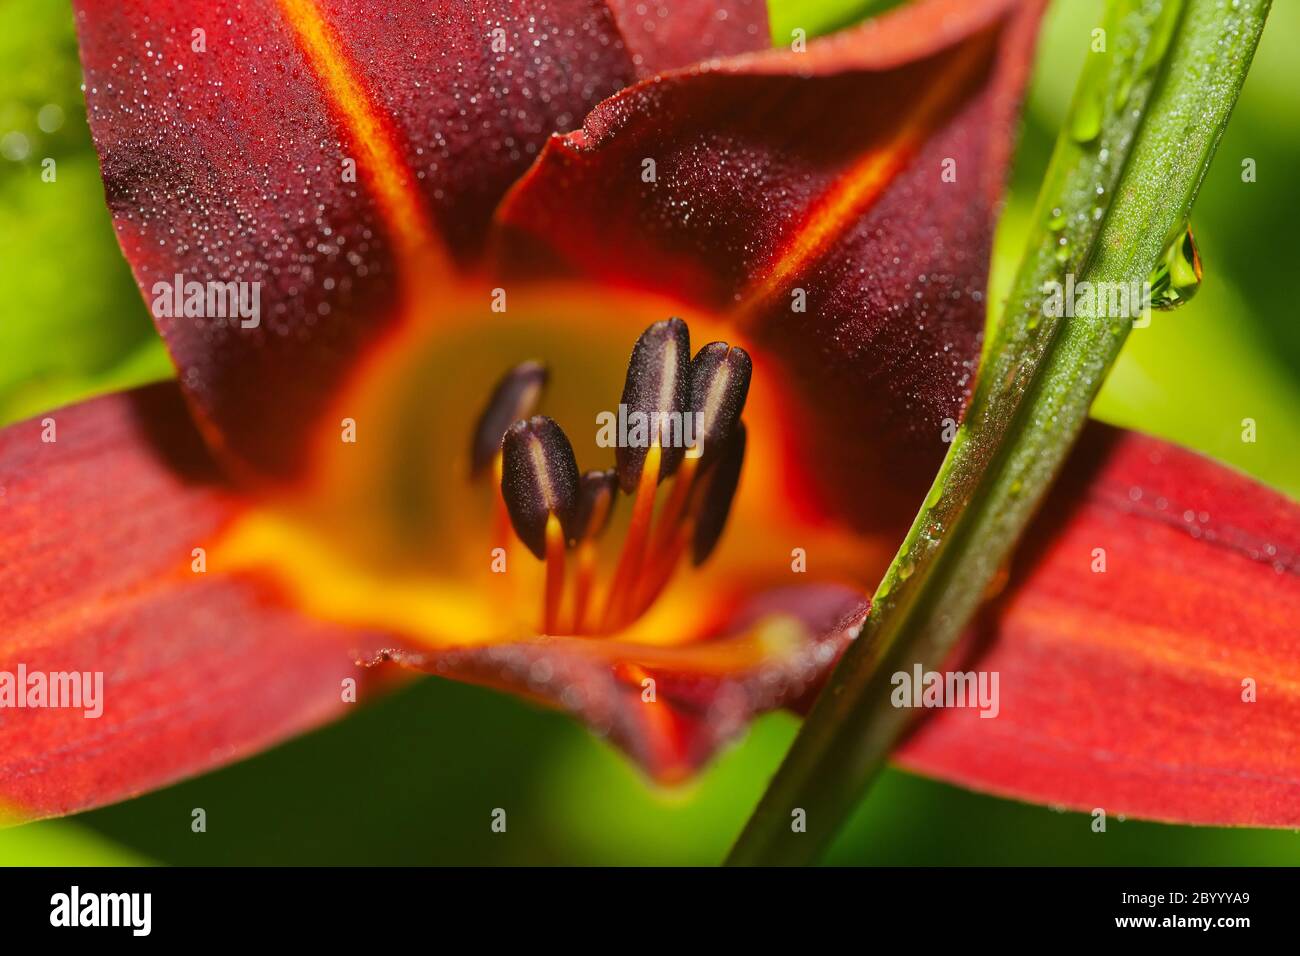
column 1146, row 117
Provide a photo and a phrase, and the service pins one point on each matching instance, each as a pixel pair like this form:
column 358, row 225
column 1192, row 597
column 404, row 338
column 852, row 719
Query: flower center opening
column 678, row 443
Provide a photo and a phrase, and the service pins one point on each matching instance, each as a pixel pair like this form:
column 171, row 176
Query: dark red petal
column 473, row 91
column 225, row 129
column 666, row 34
column 704, row 693
column 824, row 172
column 1123, row 689
column 97, row 531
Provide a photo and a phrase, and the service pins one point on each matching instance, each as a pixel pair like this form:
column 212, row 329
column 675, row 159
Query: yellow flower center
column 395, row 534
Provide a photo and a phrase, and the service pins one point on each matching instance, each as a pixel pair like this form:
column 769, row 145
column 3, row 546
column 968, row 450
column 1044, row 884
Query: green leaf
column 1145, row 120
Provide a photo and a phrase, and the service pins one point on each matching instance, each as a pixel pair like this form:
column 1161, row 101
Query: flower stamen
column 597, row 493
column 515, row 396
column 715, row 503
column 539, row 484
column 554, row 575
column 695, row 443
column 632, row 555
column 656, row 391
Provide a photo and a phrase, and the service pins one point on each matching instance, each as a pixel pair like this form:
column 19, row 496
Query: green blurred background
column 414, row 778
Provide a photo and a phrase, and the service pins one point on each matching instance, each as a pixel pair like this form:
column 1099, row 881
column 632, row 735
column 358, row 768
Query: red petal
column 229, row 163
column 821, row 171
column 666, row 34
column 96, row 535
column 1123, row 690
column 704, row 693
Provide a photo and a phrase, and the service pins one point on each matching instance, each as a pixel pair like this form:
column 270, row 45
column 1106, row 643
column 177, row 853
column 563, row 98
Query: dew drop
column 1085, row 121
column 935, row 496
column 1178, row 275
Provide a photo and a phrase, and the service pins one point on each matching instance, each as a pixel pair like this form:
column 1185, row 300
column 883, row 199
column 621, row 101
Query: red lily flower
column 428, row 202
